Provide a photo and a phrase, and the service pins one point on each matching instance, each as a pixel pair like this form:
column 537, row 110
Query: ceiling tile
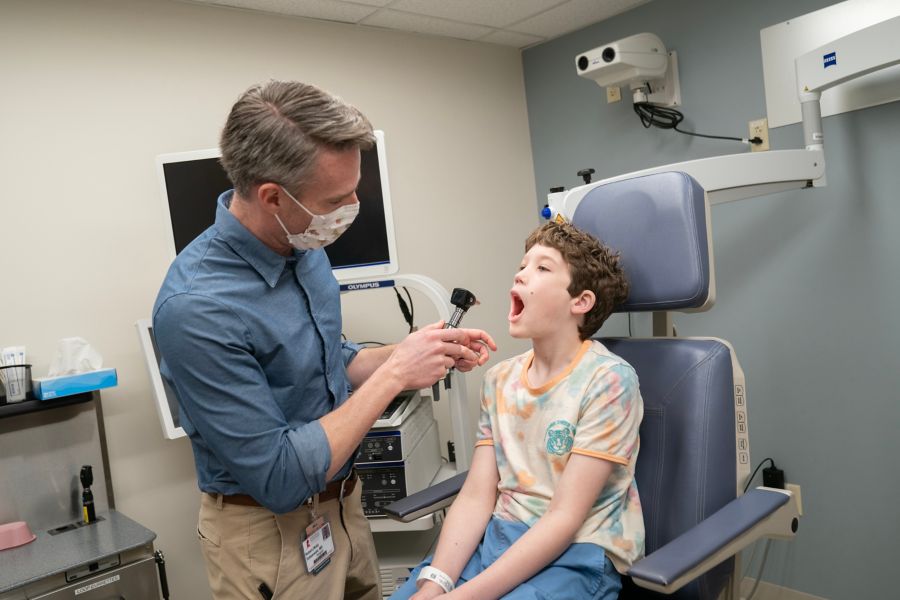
column 508, row 22
column 372, row 2
column 494, row 13
column 330, row 10
column 403, row 21
column 573, row 15
column 511, row 38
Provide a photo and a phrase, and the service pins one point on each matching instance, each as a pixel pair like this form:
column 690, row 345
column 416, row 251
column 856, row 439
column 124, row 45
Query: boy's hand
column 479, row 342
column 428, row 591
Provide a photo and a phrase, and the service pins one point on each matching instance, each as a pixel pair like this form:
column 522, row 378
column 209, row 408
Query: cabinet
column 42, row 448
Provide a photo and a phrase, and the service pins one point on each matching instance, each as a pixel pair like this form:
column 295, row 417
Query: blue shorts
column 582, row 572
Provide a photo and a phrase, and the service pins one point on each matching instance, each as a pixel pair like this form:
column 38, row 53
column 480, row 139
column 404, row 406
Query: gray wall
column 808, row 281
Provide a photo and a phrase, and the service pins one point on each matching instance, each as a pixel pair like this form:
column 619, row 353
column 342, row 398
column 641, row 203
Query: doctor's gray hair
column 274, row 132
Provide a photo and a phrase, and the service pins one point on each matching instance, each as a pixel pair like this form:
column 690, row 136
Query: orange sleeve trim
column 484, row 443
column 619, row 460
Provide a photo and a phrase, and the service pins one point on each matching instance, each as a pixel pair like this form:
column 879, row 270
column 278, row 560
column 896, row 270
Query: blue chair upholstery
column 686, row 466
column 659, row 224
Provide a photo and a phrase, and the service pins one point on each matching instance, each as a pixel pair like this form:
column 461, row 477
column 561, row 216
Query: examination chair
column 694, row 455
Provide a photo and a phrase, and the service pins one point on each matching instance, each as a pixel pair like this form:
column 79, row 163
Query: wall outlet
column 760, row 129
column 795, row 490
column 613, row 94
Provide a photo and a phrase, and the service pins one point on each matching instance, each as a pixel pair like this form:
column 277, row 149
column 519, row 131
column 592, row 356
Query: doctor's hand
column 425, row 356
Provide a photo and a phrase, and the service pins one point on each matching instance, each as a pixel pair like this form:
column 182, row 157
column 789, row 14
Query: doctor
column 248, row 325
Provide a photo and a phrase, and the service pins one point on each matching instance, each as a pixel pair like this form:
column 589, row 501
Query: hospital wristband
column 430, row 573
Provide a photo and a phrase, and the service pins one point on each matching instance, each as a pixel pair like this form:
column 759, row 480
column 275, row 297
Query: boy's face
column 540, row 304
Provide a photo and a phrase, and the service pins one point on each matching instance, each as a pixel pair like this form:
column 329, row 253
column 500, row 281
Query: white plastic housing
column 634, row 59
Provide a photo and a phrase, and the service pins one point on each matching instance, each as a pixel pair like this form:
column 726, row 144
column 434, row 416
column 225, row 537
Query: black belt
column 331, row 492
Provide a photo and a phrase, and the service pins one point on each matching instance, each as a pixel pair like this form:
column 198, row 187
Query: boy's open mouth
column 516, row 306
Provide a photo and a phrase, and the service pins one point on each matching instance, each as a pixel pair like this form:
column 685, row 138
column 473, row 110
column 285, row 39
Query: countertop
column 52, row 554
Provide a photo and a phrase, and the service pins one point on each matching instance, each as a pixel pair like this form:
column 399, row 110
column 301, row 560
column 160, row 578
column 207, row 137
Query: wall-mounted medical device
column 737, row 176
column 640, row 62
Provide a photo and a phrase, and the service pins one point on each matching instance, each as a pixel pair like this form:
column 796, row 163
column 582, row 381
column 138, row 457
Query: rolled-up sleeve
column 349, row 350
column 207, row 354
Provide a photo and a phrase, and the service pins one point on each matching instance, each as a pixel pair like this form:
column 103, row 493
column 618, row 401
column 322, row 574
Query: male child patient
column 549, row 508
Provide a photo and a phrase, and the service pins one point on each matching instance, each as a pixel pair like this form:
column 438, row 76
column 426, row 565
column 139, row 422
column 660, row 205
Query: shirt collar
column 268, row 263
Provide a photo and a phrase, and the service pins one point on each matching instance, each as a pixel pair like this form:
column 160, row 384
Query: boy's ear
column 583, row 302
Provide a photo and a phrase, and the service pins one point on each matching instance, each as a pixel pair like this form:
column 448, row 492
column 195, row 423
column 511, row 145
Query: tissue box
column 48, row 388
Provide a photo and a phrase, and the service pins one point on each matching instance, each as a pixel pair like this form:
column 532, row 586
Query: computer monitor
column 192, row 181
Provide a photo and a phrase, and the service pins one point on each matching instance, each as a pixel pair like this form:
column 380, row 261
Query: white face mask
column 323, row 229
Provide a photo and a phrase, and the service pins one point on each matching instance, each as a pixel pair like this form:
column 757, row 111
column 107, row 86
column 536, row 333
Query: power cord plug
column 773, row 477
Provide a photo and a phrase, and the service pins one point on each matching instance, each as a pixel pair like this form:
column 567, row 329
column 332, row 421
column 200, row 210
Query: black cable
column 762, row 565
column 371, row 343
column 412, row 310
column 756, row 470
column 669, row 118
column 407, row 313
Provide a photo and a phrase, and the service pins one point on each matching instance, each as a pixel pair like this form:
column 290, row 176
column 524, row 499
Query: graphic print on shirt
column 559, row 437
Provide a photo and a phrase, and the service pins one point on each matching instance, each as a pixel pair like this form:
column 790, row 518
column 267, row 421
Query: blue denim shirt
column 251, row 343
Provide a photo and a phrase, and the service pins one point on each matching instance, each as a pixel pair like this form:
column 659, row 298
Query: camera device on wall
column 639, row 61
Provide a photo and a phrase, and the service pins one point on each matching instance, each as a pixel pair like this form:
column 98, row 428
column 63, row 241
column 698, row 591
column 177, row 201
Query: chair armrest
column 427, row 501
column 762, row 512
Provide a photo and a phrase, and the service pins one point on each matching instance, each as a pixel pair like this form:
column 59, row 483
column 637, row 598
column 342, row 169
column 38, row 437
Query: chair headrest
column 660, row 225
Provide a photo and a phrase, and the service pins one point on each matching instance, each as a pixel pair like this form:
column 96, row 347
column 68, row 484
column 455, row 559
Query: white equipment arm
column 854, row 55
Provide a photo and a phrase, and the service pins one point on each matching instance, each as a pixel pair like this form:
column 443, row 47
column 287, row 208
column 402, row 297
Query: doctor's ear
column 270, row 196
column 583, row 302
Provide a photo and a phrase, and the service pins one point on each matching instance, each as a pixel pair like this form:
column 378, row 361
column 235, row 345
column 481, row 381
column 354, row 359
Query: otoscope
column 89, row 514
column 463, row 300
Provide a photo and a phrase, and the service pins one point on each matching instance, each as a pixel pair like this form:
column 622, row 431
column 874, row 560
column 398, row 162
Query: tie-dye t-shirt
column 593, row 408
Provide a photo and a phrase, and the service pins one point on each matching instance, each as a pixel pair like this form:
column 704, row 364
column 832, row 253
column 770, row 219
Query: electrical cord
column 765, row 555
column 412, row 310
column 408, row 310
column 759, row 573
column 669, row 118
column 756, row 470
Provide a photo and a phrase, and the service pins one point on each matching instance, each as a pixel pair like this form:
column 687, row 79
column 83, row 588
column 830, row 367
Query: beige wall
column 91, row 91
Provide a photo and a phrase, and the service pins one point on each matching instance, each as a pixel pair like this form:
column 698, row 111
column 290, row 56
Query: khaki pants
column 245, row 546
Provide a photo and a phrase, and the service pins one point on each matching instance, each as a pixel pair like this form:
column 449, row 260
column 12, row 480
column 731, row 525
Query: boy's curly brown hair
column 592, row 266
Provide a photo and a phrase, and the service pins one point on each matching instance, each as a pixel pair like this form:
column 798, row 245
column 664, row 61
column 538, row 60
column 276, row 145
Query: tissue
column 76, row 369
column 74, row 355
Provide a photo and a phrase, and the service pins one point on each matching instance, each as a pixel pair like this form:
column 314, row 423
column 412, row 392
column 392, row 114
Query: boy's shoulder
column 600, row 358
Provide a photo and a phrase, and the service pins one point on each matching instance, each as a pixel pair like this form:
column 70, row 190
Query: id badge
column 318, row 545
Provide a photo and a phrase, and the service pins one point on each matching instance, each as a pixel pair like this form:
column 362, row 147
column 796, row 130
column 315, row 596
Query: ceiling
column 517, row 23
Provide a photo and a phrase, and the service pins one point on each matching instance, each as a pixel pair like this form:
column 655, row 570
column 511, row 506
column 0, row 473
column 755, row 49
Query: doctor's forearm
column 346, row 426
column 365, row 363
